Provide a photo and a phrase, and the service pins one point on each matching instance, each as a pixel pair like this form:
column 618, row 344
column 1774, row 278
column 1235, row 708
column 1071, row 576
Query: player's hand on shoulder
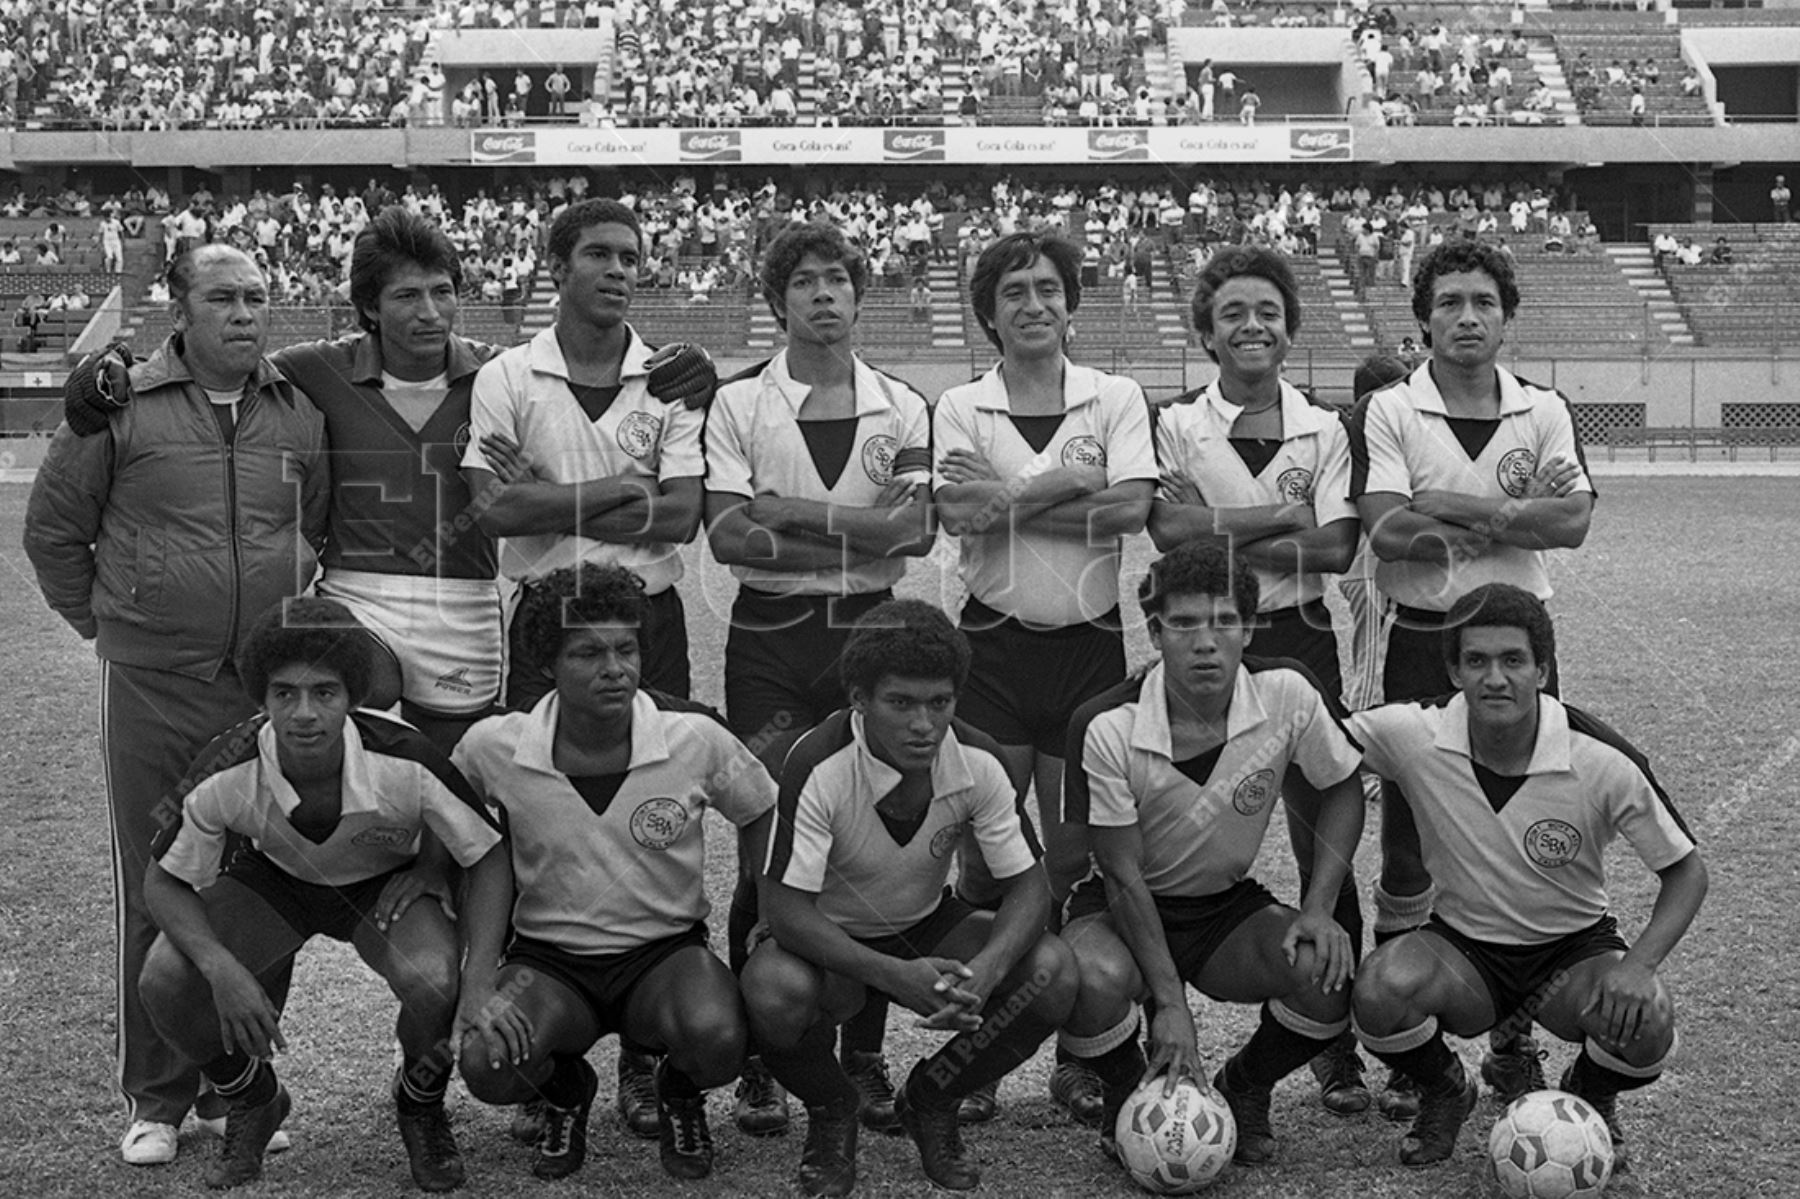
column 1174, row 1047
column 684, row 374
column 97, row 389
column 248, row 1021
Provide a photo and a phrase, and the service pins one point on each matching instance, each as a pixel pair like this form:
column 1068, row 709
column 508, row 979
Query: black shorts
column 918, row 940
column 1194, row 926
column 1304, row 635
column 310, row 909
column 781, row 659
column 1516, row 974
column 1025, row 683
column 604, row 980
column 1415, row 658
column 663, row 655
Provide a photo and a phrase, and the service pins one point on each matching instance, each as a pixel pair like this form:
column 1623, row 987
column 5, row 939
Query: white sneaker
column 148, row 1143
column 278, row 1143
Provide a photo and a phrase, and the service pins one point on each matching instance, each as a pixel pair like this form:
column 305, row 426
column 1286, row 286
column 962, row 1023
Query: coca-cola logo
column 1319, row 143
column 504, row 147
column 912, row 145
column 712, row 146
column 1118, row 143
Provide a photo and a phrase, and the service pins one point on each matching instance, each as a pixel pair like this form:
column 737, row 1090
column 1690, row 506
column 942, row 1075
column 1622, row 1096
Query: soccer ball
column 1550, row 1145
column 1178, row 1144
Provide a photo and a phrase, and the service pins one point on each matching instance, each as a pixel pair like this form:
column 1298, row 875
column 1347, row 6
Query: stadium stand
column 1753, row 299
column 1608, row 56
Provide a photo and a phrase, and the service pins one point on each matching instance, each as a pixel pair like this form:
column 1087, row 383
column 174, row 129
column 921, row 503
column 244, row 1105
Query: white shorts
column 447, row 633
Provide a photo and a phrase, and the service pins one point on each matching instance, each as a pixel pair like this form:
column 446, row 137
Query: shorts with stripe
column 781, row 659
column 445, row 633
column 604, row 981
column 1025, row 683
column 310, row 909
column 1516, row 975
column 1193, row 926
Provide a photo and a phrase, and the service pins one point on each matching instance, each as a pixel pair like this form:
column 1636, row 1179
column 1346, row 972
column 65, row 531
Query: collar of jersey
column 1422, row 390
column 1081, row 384
column 365, row 363
column 1549, row 756
column 547, row 356
column 1150, row 727
column 536, row 749
column 1299, row 418
column 949, row 770
column 357, row 787
column 871, row 395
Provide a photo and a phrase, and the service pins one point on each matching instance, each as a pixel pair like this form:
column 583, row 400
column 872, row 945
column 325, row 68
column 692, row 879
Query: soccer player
column 161, row 542
column 603, row 789
column 1251, row 465
column 1177, row 777
column 614, row 474
column 817, row 490
column 1044, row 467
column 874, row 802
column 1516, row 797
column 1463, row 475
column 333, row 805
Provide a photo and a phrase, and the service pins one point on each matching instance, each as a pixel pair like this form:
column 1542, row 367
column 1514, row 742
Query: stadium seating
column 1754, row 301
column 1623, row 38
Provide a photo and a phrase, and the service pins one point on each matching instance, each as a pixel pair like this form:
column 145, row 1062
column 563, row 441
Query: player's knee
column 168, row 983
column 489, row 1081
column 1053, row 978
column 1385, row 986
column 426, row 981
column 1105, row 970
column 709, row 1043
column 781, row 998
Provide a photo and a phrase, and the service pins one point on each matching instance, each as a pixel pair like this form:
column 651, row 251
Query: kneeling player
column 335, row 806
column 1178, row 774
column 1516, row 796
column 873, row 803
column 603, row 790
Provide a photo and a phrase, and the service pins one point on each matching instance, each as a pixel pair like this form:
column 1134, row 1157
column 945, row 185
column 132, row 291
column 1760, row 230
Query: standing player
column 1516, row 796
column 333, row 806
column 1043, row 468
column 1251, row 465
column 1465, row 475
column 817, row 490
column 873, row 804
column 160, row 542
column 603, row 789
column 613, row 475
column 1177, row 776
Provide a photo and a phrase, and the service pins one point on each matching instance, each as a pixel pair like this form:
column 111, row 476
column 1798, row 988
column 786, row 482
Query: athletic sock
column 1397, row 914
column 1284, row 1041
column 239, row 1079
column 423, row 1081
column 739, row 924
column 972, row 1060
column 564, row 1087
column 811, row 1071
column 675, row 1084
column 866, row 1031
column 1598, row 1074
column 1419, row 1053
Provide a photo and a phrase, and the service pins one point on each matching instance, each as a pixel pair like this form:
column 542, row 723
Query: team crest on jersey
column 1083, row 451
column 1295, row 485
column 943, row 842
column 657, row 823
column 638, row 433
column 878, row 458
column 383, row 838
column 1254, row 793
column 461, row 440
column 1515, row 471
column 1552, row 843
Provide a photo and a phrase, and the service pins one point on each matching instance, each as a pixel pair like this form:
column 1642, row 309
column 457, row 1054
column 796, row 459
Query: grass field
column 1676, row 626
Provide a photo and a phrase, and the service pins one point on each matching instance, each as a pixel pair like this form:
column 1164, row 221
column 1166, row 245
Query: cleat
column 762, row 1103
column 247, row 1132
column 1514, row 1071
column 431, row 1149
column 828, row 1159
column 150, row 1143
column 938, row 1134
column 1441, row 1114
column 875, row 1105
column 1399, row 1099
column 685, row 1140
column 527, row 1125
column 1250, row 1112
column 1077, row 1090
column 563, row 1146
column 1339, row 1070
column 1608, row 1108
column 980, row 1105
column 637, row 1094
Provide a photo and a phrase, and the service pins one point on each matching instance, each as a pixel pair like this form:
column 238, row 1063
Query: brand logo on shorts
column 456, row 680
column 1552, row 843
column 383, row 838
column 657, row 823
column 638, row 434
column 1295, row 485
column 943, row 842
column 462, row 439
column 1515, row 471
column 878, row 458
column 1083, row 451
column 1254, row 793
